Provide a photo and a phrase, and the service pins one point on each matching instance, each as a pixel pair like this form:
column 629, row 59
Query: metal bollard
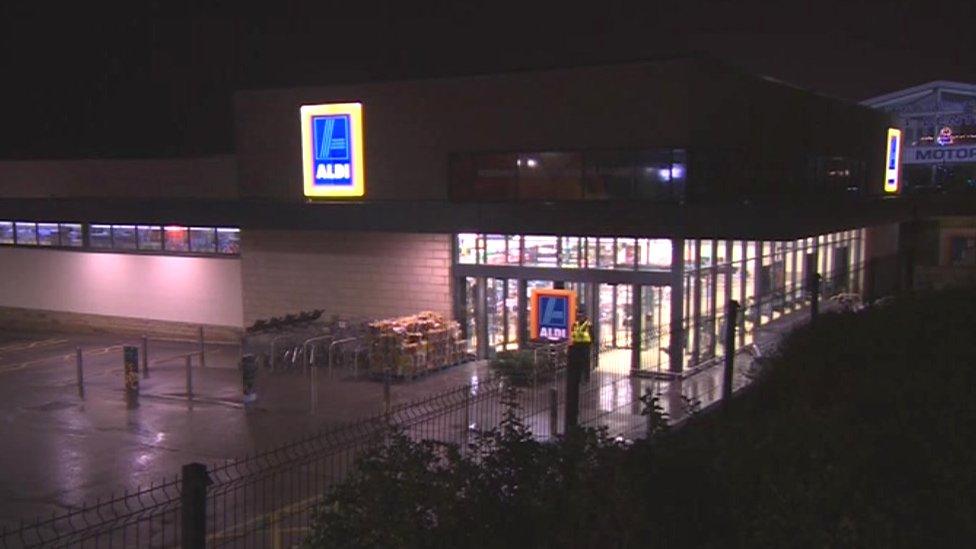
column 815, row 297
column 579, row 355
column 81, row 373
column 386, row 390
column 313, row 389
column 193, row 500
column 130, row 368
column 189, row 376
column 731, row 314
column 203, row 360
column 145, row 357
column 466, row 417
column 553, row 412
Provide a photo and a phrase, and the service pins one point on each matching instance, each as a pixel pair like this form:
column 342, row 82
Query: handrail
column 331, row 354
column 173, row 357
column 308, row 355
column 274, row 355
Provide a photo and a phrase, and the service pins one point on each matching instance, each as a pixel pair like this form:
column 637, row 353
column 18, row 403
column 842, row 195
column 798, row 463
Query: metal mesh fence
column 267, row 499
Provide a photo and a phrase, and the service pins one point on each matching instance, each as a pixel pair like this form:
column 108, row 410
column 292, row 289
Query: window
column 203, row 240
column 6, row 232
column 569, row 175
column 654, row 254
column 484, row 177
column 228, row 241
column 626, row 253
column 47, row 234
column 514, row 249
column 71, row 235
column 467, row 244
column 550, row 176
column 150, row 237
column 176, row 239
column 605, row 253
column 962, row 251
column 568, row 252
column 100, row 236
column 124, row 237
column 26, row 233
column 660, row 175
column 541, row 251
column 495, row 249
column 609, row 175
column 571, row 252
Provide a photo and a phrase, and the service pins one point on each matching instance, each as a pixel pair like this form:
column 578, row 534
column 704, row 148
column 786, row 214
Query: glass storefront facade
column 645, row 296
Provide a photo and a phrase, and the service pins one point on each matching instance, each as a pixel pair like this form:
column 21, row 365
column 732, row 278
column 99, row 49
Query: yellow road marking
column 6, row 368
column 23, row 346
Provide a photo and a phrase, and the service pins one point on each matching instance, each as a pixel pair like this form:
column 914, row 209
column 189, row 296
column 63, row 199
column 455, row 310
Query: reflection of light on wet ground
column 474, row 384
column 159, row 438
column 615, row 361
column 73, row 458
column 143, row 459
column 615, row 395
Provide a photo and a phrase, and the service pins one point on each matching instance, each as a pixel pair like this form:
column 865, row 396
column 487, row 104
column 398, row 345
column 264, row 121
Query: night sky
column 156, row 78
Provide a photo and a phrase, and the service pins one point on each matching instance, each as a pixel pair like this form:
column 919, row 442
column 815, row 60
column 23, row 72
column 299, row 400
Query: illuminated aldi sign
column 332, row 150
column 553, row 313
column 892, row 158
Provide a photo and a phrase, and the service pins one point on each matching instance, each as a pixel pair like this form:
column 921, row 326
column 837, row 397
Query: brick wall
column 354, row 274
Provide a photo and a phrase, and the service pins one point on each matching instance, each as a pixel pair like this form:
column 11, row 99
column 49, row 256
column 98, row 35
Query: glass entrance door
column 501, row 308
column 616, row 318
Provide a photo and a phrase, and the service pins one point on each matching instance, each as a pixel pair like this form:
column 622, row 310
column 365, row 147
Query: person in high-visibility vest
column 581, row 329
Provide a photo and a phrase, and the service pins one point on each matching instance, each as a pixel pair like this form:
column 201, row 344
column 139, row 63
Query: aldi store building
column 657, row 191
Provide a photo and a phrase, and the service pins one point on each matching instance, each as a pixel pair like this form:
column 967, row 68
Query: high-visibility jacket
column 581, row 332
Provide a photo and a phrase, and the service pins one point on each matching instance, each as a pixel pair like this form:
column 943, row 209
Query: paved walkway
column 62, row 450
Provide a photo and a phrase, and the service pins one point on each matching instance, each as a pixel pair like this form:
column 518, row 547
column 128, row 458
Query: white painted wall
column 199, row 290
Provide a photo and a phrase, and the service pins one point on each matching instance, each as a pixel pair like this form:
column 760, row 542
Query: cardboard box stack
column 412, row 345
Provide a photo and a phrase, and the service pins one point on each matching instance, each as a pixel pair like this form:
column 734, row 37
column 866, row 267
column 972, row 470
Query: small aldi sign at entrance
column 553, row 314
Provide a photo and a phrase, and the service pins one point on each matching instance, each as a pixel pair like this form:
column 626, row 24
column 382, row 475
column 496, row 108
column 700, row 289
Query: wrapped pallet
column 414, row 344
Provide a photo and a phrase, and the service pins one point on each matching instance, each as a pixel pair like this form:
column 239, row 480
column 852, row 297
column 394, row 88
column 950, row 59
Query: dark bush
column 860, row 434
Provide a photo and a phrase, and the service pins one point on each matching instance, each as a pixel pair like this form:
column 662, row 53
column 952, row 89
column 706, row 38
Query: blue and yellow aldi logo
column 553, row 313
column 332, row 150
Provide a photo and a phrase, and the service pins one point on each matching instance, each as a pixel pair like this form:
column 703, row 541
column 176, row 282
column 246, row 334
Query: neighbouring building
column 939, row 124
column 938, row 120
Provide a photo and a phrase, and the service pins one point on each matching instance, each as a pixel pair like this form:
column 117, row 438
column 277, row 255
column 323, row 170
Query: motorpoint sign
column 553, row 313
column 928, row 155
column 332, row 150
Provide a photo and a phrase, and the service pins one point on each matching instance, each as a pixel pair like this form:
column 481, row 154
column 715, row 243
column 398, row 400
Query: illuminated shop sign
column 928, row 155
column 892, row 160
column 332, row 150
column 553, row 313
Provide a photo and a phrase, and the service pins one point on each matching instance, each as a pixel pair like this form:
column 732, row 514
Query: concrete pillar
column 637, row 315
column 676, row 346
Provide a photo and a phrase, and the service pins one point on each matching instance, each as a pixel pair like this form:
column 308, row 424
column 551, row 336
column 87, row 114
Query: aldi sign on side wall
column 553, row 313
column 332, row 150
column 892, row 159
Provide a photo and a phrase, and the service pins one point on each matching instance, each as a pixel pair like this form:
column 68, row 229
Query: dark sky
column 155, row 78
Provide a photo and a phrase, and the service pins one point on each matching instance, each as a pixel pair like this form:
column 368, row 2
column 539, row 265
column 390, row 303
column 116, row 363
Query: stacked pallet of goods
column 413, row 345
